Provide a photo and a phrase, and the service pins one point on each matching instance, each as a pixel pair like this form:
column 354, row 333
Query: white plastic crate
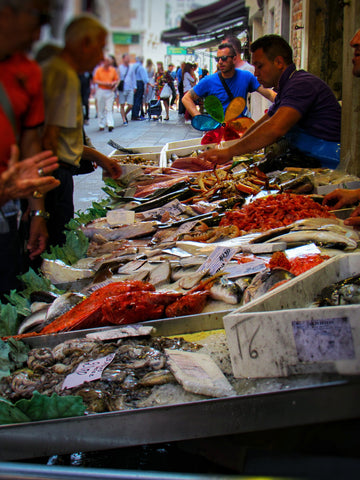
column 276, row 334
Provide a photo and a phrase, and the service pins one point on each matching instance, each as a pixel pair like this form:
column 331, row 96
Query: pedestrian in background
column 180, row 86
column 126, row 87
column 163, row 78
column 172, row 74
column 189, row 82
column 85, row 85
column 141, row 82
column 116, row 91
column 150, row 87
column 85, row 39
column 107, row 80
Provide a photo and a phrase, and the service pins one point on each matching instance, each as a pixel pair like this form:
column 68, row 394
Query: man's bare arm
column 189, row 102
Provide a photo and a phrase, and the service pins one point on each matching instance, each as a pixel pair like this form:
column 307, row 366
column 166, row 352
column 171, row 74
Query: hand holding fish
column 341, row 198
column 216, row 156
column 354, row 219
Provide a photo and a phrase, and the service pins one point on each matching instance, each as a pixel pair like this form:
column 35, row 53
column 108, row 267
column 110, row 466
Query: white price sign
column 87, row 371
column 219, row 257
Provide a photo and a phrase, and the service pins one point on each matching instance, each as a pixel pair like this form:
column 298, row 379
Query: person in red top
column 107, row 80
column 21, row 113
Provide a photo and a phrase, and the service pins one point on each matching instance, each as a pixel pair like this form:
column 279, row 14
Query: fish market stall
column 176, row 253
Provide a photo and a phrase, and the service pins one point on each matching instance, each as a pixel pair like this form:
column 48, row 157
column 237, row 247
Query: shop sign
column 125, row 38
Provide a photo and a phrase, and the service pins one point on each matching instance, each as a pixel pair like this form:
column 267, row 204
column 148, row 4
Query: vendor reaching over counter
column 305, row 109
column 342, row 197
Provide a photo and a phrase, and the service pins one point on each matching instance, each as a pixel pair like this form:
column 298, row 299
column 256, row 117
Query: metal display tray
column 321, row 400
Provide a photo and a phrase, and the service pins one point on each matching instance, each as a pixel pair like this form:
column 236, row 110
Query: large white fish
column 323, row 238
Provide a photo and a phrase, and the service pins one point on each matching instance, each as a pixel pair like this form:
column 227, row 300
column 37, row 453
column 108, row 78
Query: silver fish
column 322, row 238
column 34, row 322
column 63, row 304
column 226, row 291
column 265, row 281
column 59, row 273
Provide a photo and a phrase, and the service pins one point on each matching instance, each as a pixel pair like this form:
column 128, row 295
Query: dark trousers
column 11, row 257
column 138, row 98
column 59, row 203
column 181, row 108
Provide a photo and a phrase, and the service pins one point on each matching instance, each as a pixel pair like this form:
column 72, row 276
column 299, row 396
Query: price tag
column 323, row 340
column 174, row 208
column 219, row 257
column 244, row 269
column 184, row 228
column 310, row 249
column 87, row 372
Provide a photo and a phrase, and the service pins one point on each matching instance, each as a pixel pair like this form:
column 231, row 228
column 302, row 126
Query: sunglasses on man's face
column 223, row 58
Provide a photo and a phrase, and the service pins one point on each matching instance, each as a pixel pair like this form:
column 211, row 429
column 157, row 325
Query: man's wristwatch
column 39, row 213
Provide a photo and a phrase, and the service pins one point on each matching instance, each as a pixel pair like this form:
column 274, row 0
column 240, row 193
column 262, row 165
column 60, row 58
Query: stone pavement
column 87, row 188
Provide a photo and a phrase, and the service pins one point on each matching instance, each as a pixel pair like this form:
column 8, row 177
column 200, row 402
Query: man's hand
column 37, row 237
column 111, row 166
column 341, row 198
column 21, row 179
column 354, row 219
column 216, row 156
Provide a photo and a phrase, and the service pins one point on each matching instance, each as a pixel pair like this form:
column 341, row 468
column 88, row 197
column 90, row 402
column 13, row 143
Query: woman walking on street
column 150, row 88
column 189, row 80
column 162, row 79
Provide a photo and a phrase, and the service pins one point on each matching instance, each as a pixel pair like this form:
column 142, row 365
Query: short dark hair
column 222, row 46
column 273, row 46
column 235, row 42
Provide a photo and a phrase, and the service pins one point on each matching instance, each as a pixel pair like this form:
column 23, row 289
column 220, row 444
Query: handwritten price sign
column 87, row 372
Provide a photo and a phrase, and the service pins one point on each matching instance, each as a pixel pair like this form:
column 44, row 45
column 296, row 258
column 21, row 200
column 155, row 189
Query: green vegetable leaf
column 11, row 414
column 21, row 303
column 18, row 352
column 34, row 283
column 4, row 359
column 42, row 407
column 9, row 321
column 13, row 355
column 214, row 108
column 75, row 247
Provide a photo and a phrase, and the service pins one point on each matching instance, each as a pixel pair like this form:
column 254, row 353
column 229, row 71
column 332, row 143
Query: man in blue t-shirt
column 305, row 109
column 239, row 82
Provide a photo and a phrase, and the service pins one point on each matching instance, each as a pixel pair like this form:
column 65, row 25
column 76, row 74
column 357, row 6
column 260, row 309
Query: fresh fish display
column 265, row 281
column 34, row 322
column 139, row 365
column 225, row 290
column 136, row 230
column 323, row 238
column 62, row 304
column 59, row 273
column 345, row 292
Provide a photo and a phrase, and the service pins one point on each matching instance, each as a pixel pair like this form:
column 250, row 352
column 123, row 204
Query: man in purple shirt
column 305, row 109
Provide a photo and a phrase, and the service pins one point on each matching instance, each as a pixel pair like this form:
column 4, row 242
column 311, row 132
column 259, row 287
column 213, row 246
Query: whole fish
column 265, row 281
column 34, row 322
column 226, row 291
column 63, row 304
column 322, row 238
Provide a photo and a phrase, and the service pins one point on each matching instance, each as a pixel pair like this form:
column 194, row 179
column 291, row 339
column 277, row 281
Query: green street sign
column 125, row 38
column 175, row 50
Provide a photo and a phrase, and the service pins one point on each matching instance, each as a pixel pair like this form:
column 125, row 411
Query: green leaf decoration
column 35, row 283
column 11, row 414
column 214, row 108
column 9, row 320
column 4, row 359
column 42, row 407
column 13, row 355
column 21, row 303
column 234, row 109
